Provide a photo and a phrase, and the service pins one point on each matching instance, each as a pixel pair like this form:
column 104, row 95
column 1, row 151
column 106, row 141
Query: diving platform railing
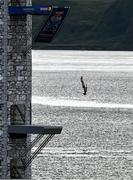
column 18, row 131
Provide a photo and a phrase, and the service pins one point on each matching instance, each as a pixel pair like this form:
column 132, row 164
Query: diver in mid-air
column 83, row 86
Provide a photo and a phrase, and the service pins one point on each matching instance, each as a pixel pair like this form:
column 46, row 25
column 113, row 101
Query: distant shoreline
column 74, row 47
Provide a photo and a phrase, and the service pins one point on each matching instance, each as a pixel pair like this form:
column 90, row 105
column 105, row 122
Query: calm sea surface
column 97, row 138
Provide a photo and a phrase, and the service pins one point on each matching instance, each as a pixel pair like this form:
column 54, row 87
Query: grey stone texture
column 15, row 86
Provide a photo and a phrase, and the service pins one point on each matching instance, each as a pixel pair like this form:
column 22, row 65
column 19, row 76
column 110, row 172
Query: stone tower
column 15, row 88
column 15, row 92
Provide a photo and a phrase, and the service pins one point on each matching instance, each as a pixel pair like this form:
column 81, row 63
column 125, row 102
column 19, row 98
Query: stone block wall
column 15, row 86
column 4, row 159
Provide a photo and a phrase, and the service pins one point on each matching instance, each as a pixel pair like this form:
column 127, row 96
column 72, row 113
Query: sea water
column 97, row 137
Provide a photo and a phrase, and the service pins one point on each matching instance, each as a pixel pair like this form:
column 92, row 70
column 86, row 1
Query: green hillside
column 115, row 26
column 93, row 24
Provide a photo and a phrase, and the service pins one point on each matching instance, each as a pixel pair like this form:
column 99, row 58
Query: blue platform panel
column 34, row 10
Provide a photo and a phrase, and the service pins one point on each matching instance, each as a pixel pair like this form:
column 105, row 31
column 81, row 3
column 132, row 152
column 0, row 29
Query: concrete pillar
column 15, row 87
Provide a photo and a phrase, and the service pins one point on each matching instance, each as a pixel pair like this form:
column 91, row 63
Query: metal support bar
column 33, row 143
column 52, row 25
column 42, row 145
column 21, row 114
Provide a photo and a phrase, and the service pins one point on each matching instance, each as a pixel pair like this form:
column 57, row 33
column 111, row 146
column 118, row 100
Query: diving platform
column 34, row 129
column 44, row 134
column 48, row 29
